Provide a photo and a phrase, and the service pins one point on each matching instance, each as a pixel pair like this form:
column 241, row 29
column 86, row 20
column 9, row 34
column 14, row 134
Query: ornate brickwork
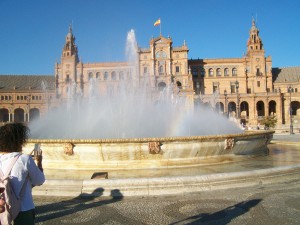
column 229, row 143
column 154, row 147
column 68, row 148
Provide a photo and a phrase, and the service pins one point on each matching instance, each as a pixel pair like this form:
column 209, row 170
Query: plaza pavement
column 270, row 203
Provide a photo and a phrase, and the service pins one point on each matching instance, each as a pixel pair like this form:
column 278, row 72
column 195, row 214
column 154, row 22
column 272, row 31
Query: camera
column 37, row 150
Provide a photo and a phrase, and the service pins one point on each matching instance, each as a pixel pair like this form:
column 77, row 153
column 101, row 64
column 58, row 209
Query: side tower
column 65, row 73
column 258, row 67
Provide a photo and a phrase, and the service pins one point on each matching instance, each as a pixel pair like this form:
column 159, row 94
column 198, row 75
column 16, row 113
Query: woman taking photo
column 25, row 173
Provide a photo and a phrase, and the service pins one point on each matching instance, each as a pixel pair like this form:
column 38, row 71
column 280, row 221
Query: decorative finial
column 253, row 22
column 184, row 43
column 70, row 28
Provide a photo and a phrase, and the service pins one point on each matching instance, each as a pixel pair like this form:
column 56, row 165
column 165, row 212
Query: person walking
column 25, row 174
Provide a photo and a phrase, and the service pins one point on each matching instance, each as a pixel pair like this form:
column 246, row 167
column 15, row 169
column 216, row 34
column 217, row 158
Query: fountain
column 124, row 129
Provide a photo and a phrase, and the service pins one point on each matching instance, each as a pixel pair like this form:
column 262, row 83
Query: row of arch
column 101, row 76
column 110, row 76
column 215, row 72
column 20, row 97
column 19, row 115
column 260, row 108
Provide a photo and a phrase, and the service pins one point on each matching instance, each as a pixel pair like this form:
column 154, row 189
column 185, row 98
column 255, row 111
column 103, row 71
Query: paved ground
column 287, row 137
column 272, row 204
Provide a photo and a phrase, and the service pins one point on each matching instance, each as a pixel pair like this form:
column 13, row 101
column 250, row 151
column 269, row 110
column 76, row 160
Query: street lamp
column 198, row 95
column 290, row 90
column 28, row 98
column 214, row 104
column 226, row 106
column 198, row 88
column 237, row 99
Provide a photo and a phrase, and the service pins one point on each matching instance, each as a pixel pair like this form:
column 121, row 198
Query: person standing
column 25, row 174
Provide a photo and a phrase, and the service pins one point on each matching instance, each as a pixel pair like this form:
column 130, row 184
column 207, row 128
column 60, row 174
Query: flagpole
column 158, row 22
column 160, row 27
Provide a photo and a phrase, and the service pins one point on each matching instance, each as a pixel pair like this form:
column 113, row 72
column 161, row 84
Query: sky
column 32, row 32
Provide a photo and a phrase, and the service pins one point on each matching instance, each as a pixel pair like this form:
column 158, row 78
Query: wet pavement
column 277, row 203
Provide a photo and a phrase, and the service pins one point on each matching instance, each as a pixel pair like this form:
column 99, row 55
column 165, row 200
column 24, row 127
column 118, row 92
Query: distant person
column 24, row 172
column 243, row 126
column 258, row 126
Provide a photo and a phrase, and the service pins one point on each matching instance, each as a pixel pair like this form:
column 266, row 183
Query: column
column 279, row 110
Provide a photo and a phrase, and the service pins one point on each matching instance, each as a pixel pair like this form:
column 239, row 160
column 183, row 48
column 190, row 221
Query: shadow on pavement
column 82, row 202
column 223, row 216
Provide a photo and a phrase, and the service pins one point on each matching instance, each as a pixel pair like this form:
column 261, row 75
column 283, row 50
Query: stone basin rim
column 161, row 139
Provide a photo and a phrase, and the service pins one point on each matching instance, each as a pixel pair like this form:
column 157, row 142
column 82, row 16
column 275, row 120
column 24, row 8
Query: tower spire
column 254, row 42
column 70, row 48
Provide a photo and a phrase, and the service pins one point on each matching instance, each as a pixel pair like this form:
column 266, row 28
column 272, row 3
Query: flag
column 157, row 22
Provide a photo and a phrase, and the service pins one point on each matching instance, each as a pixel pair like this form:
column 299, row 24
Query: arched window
column 160, row 69
column 226, row 72
column 105, row 75
column 211, row 72
column 121, row 75
column 19, row 115
column 4, row 115
column 232, row 109
column 295, row 107
column 97, row 75
column 161, row 86
column 234, row 72
column 161, row 54
column 260, row 108
column 145, row 69
column 244, row 108
column 90, row 75
column 195, row 72
column 129, row 76
column 218, row 72
column 272, row 108
column 68, row 80
column 219, row 107
column 113, row 75
column 34, row 113
column 179, row 85
column 202, row 72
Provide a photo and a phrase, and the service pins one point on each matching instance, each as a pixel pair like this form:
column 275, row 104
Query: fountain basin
column 147, row 153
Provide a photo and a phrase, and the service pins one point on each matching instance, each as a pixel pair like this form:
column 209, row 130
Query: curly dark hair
column 13, row 136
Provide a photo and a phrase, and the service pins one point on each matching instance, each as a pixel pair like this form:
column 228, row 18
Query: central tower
column 66, row 74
